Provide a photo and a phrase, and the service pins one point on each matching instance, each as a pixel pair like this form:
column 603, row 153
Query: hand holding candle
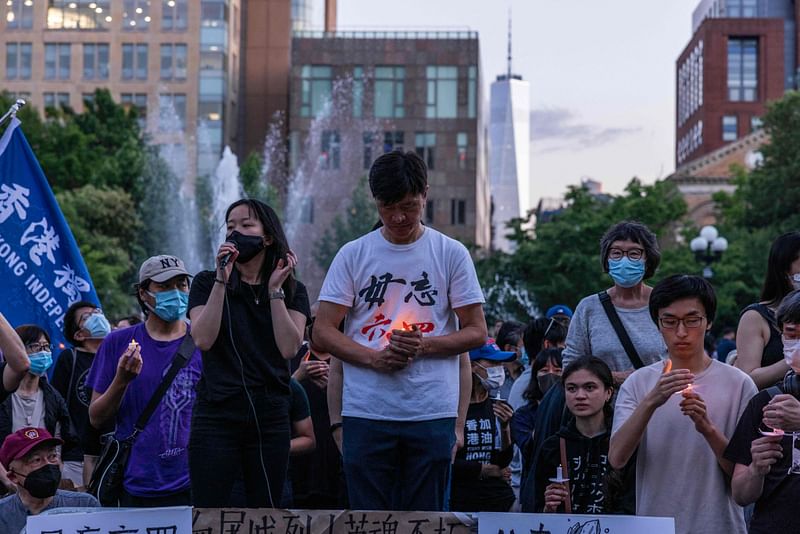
column 406, row 341
column 694, row 407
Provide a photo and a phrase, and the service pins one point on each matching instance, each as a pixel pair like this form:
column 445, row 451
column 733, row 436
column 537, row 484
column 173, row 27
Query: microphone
column 225, row 259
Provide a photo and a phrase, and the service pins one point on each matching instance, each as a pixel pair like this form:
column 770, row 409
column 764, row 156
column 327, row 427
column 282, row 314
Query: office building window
column 424, row 146
column 742, row 8
column 429, row 210
column 78, row 14
column 389, row 92
column 458, row 211
column 138, row 102
column 329, row 157
column 136, row 15
column 56, row 61
column 742, row 70
column 690, row 84
column 442, row 92
column 358, row 92
column 95, row 61
column 19, row 14
column 134, row 61
column 316, row 84
column 173, row 61
column 472, row 92
column 393, row 141
column 171, row 112
column 369, row 146
column 730, row 128
column 174, row 15
column 52, row 100
column 461, row 150
column 756, row 123
column 18, row 61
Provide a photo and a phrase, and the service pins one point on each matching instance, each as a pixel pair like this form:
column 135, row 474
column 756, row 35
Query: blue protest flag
column 41, row 269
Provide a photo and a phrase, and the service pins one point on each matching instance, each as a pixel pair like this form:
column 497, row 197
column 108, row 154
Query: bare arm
column 104, row 406
column 464, row 393
column 303, row 440
column 747, row 483
column 207, row 319
column 335, row 378
column 14, row 354
column 752, row 336
column 472, row 334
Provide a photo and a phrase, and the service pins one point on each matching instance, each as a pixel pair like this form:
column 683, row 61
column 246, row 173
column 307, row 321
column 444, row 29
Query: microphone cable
column 247, row 394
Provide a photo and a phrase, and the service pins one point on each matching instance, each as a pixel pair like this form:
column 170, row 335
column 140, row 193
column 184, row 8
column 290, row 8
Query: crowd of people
column 389, row 394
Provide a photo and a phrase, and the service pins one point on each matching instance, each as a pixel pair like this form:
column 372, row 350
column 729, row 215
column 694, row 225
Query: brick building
column 742, row 55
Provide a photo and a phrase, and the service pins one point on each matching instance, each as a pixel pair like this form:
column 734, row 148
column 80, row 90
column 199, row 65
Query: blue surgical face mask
column 40, row 362
column 523, row 357
column 626, row 272
column 170, row 305
column 97, row 325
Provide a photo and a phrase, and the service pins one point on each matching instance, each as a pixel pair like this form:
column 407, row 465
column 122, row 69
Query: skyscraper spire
column 509, row 42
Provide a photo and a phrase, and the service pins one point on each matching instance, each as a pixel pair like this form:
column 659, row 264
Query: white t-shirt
column 677, row 474
column 386, row 287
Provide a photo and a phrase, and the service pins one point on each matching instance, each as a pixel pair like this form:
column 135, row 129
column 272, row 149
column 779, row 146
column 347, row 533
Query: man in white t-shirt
column 681, row 414
column 412, row 304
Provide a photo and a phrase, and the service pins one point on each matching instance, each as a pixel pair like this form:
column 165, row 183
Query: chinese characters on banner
column 41, row 267
column 505, row 523
column 175, row 520
column 269, row 521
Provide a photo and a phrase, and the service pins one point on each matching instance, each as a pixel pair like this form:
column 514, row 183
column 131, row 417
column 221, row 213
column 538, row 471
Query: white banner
column 176, row 520
column 502, row 523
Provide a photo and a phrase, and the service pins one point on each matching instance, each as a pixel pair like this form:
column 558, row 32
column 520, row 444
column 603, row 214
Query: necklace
column 256, row 295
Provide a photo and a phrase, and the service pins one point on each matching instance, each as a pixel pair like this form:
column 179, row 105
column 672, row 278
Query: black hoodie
column 588, row 471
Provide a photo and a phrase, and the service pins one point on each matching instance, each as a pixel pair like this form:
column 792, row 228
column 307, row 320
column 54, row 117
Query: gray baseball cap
column 161, row 268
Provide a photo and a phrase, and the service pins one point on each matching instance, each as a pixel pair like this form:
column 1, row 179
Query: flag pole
column 12, row 111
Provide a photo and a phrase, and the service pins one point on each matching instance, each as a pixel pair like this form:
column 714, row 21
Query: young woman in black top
column 248, row 318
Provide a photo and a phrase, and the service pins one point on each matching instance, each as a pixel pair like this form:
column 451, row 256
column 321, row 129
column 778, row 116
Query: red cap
column 21, row 442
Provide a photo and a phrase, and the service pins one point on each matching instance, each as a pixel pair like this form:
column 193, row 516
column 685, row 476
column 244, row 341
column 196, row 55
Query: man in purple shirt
column 127, row 370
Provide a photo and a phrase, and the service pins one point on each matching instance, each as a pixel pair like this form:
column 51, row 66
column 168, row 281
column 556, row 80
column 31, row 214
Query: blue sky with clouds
column 602, row 76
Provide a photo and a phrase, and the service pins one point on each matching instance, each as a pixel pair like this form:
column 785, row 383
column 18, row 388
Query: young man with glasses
column 680, row 415
column 34, row 467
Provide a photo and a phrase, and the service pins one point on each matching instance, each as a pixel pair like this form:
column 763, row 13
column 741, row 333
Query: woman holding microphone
column 248, row 318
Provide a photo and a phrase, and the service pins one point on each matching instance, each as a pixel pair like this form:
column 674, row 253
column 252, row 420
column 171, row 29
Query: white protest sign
column 497, row 523
column 176, row 520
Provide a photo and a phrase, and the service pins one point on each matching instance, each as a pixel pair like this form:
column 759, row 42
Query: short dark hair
column 683, row 286
column 30, row 333
column 71, row 326
column 396, row 174
column 638, row 233
column 509, row 333
column 789, row 309
column 533, row 393
column 541, row 329
column 783, row 252
column 597, row 367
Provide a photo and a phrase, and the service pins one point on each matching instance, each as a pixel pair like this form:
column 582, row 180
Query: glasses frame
column 37, row 347
column 624, row 253
column 681, row 320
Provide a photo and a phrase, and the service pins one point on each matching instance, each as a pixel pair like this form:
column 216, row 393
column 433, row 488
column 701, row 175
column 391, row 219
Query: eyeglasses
column 86, row 315
column 671, row 323
column 38, row 347
column 633, row 254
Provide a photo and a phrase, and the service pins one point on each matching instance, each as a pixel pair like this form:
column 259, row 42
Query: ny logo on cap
column 166, row 263
column 32, row 434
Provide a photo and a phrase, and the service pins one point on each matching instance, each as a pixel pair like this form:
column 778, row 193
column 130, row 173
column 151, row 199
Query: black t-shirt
column 251, row 326
column 775, row 509
column 70, row 381
column 298, row 406
column 482, row 445
column 317, row 478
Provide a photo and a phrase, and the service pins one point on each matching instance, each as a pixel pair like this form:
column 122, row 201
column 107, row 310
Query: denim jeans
column 397, row 465
column 224, row 445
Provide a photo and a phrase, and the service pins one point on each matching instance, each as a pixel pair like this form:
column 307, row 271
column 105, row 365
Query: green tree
column 254, row 182
column 359, row 219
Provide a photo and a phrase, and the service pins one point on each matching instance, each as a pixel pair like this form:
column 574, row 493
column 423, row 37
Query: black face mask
column 43, row 482
column 247, row 245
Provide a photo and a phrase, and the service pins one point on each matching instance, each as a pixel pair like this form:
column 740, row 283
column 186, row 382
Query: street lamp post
column 708, row 248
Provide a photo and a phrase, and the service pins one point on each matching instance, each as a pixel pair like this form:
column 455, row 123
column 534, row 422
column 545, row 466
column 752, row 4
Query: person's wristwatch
column 277, row 294
column 335, row 427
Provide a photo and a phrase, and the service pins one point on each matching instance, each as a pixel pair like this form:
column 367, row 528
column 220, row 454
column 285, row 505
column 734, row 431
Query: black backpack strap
column 180, row 360
column 774, row 390
column 622, row 334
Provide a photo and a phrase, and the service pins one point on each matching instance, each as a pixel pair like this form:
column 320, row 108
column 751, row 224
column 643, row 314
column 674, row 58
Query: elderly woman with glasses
column 36, row 403
column 629, row 254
